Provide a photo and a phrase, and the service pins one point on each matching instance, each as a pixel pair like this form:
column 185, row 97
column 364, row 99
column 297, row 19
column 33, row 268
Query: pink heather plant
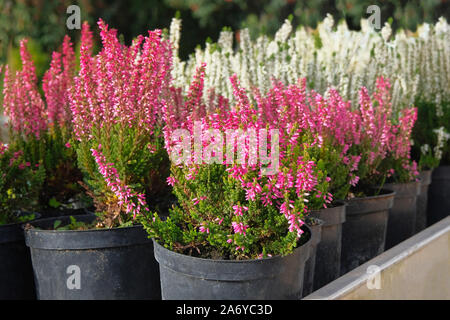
column 22, row 102
column 41, row 128
column 57, row 82
column 384, row 146
column 228, row 209
column 117, row 104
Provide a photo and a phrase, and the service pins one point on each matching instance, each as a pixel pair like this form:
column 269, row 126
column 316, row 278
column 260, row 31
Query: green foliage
column 20, row 184
column 180, row 232
column 128, row 148
column 58, row 161
column 424, row 134
column 329, row 160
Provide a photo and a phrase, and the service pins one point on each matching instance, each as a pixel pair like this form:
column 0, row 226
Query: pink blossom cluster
column 365, row 135
column 132, row 202
column 120, row 85
column 28, row 112
column 57, row 82
column 383, row 138
column 22, row 101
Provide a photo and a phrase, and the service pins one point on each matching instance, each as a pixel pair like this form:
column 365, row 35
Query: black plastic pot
column 364, row 231
column 93, row 264
column 439, row 195
column 328, row 252
column 422, row 200
column 185, row 277
column 402, row 215
column 16, row 273
column 316, row 233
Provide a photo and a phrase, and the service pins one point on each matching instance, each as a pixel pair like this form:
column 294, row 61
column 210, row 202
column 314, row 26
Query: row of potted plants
column 223, row 188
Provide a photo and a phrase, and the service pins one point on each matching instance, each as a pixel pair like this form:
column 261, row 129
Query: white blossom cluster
column 418, row 65
column 442, row 138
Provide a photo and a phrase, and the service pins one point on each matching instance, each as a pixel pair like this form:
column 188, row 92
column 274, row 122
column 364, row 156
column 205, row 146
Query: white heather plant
column 417, row 64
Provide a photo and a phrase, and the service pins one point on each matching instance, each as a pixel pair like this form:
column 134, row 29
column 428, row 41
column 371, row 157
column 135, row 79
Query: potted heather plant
column 364, row 232
column 237, row 231
column 116, row 103
column 20, row 182
column 329, row 119
column 401, row 175
column 41, row 128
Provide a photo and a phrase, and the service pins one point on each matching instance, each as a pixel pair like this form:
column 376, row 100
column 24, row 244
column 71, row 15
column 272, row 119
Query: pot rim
column 273, row 258
column 389, row 194
column 408, row 185
column 37, row 217
column 13, row 232
column 74, row 231
column 84, row 239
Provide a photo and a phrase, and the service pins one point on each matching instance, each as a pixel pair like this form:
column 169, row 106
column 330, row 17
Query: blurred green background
column 44, row 21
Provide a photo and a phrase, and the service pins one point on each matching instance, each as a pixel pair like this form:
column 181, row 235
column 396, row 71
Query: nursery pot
column 364, row 231
column 422, row 200
column 185, row 277
column 402, row 215
column 100, row 264
column 16, row 273
column 328, row 251
column 439, row 195
column 316, row 232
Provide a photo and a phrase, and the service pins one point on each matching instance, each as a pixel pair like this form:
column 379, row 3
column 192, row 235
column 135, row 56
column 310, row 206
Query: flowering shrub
column 116, row 105
column 383, row 147
column 39, row 128
column 237, row 208
column 20, row 182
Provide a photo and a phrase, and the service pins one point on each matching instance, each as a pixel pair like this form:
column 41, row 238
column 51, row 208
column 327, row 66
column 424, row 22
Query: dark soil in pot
column 328, row 252
column 364, row 231
column 16, row 273
column 316, row 234
column 71, row 207
column 92, row 264
column 422, row 200
column 439, row 195
column 185, row 277
column 54, row 213
column 402, row 215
